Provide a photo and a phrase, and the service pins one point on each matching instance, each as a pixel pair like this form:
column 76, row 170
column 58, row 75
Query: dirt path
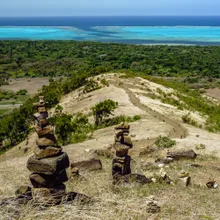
column 178, row 130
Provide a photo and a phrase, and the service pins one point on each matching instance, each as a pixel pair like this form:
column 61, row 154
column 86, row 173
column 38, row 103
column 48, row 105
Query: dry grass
column 123, row 202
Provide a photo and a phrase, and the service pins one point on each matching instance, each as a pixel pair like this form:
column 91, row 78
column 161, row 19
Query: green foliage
column 64, row 127
column 91, row 85
column 3, row 112
column 71, row 129
column 104, row 82
column 56, row 58
column 102, row 110
column 117, row 120
column 164, row 142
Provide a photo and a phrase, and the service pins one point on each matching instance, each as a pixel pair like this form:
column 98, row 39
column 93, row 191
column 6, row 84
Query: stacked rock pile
column 121, row 162
column 49, row 161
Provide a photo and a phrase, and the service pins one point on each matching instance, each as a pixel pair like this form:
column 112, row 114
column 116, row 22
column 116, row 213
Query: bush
column 118, row 119
column 164, row 142
column 90, row 86
column 102, row 110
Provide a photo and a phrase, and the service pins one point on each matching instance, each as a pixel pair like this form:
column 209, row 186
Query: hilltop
column 136, row 96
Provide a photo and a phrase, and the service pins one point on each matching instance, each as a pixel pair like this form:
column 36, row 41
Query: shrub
column 104, row 82
column 102, row 110
column 164, row 142
column 90, row 86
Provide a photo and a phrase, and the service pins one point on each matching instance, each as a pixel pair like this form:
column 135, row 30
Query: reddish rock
column 44, row 152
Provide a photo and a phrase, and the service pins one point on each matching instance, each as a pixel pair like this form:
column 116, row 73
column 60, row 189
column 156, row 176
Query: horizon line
column 48, row 16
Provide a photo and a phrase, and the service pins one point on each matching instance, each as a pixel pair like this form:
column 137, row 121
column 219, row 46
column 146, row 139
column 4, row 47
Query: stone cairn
column 121, row 162
column 48, row 163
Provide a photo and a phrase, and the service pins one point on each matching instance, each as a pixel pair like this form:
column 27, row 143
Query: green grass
column 3, row 111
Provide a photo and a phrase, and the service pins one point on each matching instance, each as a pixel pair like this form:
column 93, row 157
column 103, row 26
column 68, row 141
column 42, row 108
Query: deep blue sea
column 198, row 30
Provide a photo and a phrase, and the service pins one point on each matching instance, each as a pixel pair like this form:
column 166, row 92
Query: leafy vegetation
column 164, row 142
column 90, row 86
column 59, row 58
column 77, row 128
column 102, row 110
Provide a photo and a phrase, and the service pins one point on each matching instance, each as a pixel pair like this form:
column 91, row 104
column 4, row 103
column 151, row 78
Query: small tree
column 64, row 128
column 102, row 110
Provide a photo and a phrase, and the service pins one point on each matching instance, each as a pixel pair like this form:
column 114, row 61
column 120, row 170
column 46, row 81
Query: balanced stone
column 48, row 181
column 51, row 165
column 44, row 152
column 123, row 126
column 46, row 140
column 121, row 150
column 121, row 165
column 127, row 141
column 44, row 131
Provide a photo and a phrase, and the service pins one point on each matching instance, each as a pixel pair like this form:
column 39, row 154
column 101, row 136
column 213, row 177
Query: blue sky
column 108, row 7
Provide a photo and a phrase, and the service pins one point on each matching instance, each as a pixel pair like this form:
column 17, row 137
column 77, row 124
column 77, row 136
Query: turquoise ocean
column 135, row 30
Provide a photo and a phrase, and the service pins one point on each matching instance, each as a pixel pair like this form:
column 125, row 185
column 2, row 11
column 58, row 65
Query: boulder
column 48, row 181
column 177, row 155
column 51, row 165
column 49, row 196
column 87, row 165
column 44, row 152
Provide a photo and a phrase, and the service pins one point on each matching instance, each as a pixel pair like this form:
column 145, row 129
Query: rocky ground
column 127, row 202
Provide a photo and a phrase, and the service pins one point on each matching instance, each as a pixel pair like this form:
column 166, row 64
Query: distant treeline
column 64, row 58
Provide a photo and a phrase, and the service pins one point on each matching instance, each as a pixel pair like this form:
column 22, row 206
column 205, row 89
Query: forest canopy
column 64, row 58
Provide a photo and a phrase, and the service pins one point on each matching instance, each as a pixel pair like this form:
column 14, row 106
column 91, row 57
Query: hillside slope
column 134, row 97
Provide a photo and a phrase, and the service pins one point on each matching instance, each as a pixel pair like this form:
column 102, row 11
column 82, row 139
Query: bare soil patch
column 214, row 93
column 32, row 85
